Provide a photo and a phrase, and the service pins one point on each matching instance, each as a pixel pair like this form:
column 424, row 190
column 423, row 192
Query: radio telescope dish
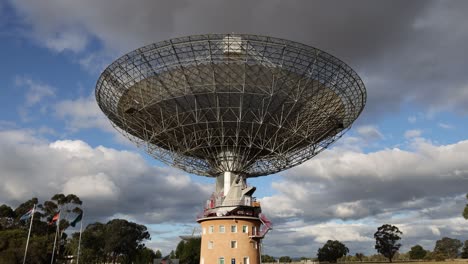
column 248, row 104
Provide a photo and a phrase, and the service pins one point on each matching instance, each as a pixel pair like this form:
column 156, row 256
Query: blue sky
column 403, row 162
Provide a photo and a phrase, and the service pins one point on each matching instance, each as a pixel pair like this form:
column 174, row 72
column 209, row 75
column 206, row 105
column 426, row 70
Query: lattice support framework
column 249, row 104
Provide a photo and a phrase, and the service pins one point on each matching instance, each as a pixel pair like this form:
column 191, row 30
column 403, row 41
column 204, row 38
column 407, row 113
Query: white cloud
column 36, row 93
column 96, row 62
column 110, row 182
column 422, row 191
column 435, row 230
column 351, row 210
column 369, row 132
column 413, row 133
column 331, row 231
column 389, row 185
column 98, row 186
column 445, row 126
column 82, row 113
column 424, row 201
column 67, row 40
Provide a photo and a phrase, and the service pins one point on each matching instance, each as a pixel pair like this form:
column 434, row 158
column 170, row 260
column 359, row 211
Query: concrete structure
column 232, row 223
column 230, row 240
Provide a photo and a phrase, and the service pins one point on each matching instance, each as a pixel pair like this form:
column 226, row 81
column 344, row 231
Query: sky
column 404, row 162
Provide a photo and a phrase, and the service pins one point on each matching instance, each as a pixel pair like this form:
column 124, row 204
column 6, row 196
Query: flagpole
column 55, row 240
column 79, row 241
column 29, row 234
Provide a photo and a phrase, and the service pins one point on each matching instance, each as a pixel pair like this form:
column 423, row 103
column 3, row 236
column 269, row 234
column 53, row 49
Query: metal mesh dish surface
column 249, row 104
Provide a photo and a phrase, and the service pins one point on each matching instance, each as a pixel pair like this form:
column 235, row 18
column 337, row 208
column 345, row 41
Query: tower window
column 233, row 261
column 221, row 260
column 211, row 229
column 245, row 229
column 210, row 244
column 221, row 228
column 234, row 229
column 233, row 244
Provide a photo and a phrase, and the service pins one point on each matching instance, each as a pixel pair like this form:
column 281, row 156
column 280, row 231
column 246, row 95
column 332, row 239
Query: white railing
column 221, row 201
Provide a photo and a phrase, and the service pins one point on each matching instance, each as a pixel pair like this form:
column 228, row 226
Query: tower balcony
column 218, row 206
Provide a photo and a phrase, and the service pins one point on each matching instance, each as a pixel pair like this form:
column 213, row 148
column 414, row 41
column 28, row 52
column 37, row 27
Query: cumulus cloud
column 98, row 186
column 67, row 41
column 110, row 182
column 413, row 133
column 36, row 93
column 401, row 59
column 82, row 113
column 328, row 194
column 304, row 238
column 369, row 132
column 341, row 183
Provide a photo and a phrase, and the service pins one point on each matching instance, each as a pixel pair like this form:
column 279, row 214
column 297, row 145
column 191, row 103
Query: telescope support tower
column 232, row 223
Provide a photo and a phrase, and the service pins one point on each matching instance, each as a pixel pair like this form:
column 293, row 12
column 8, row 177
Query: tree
column 386, row 239
column 359, row 256
column 331, row 251
column 267, row 258
column 116, row 241
column 465, row 212
column 124, row 238
column 448, row 247
column 13, row 232
column 428, row 256
column 144, row 256
column 92, row 243
column 180, row 249
column 65, row 204
column 6, row 211
column 285, row 259
column 11, row 245
column 25, row 207
column 464, row 253
column 7, row 216
column 158, row 254
column 438, row 256
column 13, row 242
column 417, row 252
column 188, row 251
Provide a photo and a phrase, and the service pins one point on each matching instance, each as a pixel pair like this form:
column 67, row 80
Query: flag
column 27, row 215
column 55, row 218
column 77, row 219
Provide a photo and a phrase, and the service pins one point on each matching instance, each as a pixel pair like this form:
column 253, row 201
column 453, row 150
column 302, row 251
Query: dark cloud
column 405, row 51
